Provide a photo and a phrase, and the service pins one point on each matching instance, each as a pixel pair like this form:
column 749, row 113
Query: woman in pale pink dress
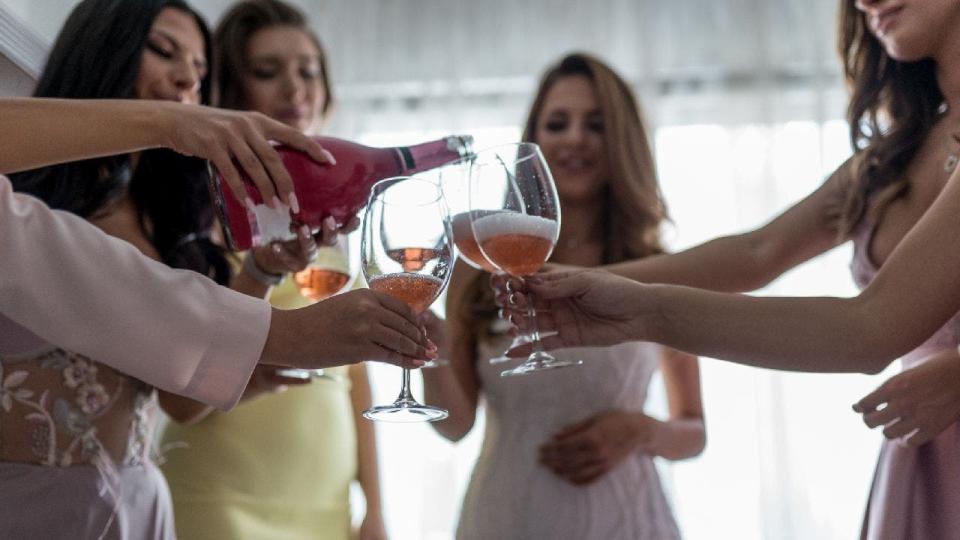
column 75, row 434
column 900, row 59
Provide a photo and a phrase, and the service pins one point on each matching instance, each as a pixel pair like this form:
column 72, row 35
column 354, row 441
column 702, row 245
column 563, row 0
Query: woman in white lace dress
column 569, row 453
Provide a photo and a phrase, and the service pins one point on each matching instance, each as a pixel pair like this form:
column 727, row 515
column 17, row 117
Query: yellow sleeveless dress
column 277, row 468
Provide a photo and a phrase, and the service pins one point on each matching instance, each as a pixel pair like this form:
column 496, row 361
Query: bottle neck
column 430, row 155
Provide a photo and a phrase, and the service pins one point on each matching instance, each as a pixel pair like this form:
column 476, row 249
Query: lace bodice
column 58, row 408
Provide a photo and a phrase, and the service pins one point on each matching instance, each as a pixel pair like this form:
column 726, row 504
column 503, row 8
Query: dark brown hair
column 634, row 208
column 97, row 55
column 232, row 37
column 893, row 106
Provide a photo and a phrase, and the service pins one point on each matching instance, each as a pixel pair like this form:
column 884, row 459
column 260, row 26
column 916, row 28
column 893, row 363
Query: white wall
column 13, row 81
column 44, row 17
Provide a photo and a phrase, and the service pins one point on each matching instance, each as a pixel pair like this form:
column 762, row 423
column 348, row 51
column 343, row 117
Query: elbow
column 453, row 429
column 872, row 366
column 687, row 440
column 761, row 268
column 185, row 418
column 182, row 411
column 882, row 340
column 698, row 442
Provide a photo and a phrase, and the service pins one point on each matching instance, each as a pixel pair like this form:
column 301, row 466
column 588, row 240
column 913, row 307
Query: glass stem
column 534, row 324
column 405, row 394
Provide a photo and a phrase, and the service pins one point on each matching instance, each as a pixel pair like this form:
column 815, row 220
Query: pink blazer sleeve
column 65, row 281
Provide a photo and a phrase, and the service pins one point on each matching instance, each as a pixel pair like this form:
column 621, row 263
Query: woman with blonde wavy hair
column 573, row 444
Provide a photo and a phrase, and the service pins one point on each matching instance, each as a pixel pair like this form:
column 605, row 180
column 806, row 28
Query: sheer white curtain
column 746, row 105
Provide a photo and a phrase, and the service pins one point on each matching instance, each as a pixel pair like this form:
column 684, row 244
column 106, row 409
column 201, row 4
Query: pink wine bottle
column 323, row 190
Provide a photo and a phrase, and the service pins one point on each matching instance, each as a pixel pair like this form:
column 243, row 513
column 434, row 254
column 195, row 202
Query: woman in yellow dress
column 279, row 466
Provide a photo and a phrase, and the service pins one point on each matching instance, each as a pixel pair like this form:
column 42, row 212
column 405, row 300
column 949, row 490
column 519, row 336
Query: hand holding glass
column 515, row 218
column 331, row 272
column 405, row 252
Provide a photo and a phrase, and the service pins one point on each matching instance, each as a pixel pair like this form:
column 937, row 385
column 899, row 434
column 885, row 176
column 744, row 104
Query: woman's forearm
column 797, row 334
column 916, row 291
column 243, row 283
column 729, row 264
column 751, row 260
column 441, row 388
column 677, row 439
column 121, row 126
column 183, row 410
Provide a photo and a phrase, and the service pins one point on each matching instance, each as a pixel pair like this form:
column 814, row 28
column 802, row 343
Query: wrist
column 158, row 121
column 280, row 337
column 645, row 429
column 648, row 312
column 258, row 273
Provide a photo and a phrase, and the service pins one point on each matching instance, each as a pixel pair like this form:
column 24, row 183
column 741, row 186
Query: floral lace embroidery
column 74, row 414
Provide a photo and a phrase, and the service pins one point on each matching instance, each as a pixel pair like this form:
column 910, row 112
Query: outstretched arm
column 35, row 132
column 914, row 294
column 751, row 260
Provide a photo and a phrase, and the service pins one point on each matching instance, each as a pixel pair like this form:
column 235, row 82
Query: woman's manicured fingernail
column 294, row 203
column 329, row 156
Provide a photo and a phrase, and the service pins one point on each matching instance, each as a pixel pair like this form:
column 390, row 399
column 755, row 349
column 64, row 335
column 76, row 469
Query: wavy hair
column 97, row 55
column 634, row 209
column 232, row 37
column 893, row 107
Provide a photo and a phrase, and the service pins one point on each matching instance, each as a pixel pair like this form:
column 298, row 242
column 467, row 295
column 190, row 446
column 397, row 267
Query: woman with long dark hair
column 897, row 199
column 76, row 434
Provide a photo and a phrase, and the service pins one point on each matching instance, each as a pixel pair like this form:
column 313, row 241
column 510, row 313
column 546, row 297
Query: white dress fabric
column 512, row 496
column 64, row 281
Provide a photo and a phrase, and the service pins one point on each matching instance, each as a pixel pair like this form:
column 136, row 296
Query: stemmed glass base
column 439, row 362
column 299, row 373
column 405, row 411
column 521, row 339
column 539, row 361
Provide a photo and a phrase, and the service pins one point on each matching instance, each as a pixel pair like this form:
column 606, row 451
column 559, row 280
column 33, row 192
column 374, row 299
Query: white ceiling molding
column 20, row 45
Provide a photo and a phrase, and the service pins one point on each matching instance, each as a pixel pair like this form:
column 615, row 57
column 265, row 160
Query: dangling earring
column 951, row 163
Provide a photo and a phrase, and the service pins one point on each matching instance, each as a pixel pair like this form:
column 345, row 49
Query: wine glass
column 331, row 272
column 405, row 251
column 515, row 218
column 454, row 181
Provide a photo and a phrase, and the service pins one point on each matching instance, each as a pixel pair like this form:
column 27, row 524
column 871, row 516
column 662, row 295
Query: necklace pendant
column 951, row 163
